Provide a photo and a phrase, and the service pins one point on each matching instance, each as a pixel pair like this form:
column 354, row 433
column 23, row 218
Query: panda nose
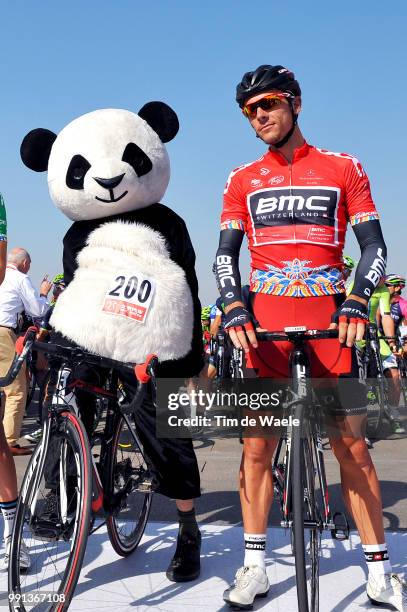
column 109, row 183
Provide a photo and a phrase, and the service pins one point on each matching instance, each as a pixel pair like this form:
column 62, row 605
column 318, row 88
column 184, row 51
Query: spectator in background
column 17, row 293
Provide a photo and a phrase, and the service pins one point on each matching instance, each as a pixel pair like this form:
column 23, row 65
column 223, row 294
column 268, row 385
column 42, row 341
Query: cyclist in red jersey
column 294, row 204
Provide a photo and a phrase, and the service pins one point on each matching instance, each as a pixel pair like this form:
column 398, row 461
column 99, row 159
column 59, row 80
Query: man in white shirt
column 17, row 293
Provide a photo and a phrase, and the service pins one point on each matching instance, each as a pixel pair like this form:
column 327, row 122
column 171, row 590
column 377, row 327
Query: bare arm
column 215, row 325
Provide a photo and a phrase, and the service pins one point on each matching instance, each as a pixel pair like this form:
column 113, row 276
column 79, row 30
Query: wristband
column 238, row 317
column 352, row 311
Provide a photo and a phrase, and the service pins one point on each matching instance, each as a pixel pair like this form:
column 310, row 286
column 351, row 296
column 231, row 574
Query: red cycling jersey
column 295, row 217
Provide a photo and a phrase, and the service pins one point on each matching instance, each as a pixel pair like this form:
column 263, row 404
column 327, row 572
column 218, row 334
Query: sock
column 377, row 559
column 187, row 522
column 255, row 549
column 8, row 510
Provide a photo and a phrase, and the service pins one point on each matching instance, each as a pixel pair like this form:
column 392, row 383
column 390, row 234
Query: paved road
column 138, row 583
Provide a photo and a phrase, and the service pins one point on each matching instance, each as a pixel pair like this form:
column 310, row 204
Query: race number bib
column 130, row 297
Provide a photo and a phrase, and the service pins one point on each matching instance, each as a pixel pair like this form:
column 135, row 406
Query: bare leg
column 256, row 483
column 360, row 485
column 8, row 480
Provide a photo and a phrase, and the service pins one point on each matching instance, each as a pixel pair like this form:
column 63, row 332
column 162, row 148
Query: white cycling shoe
column 391, row 590
column 24, row 557
column 250, row 582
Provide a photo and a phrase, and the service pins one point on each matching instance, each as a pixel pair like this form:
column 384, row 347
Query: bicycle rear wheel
column 52, row 522
column 129, row 490
column 376, row 407
column 305, row 530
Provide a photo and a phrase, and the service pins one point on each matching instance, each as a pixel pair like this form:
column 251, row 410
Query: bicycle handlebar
column 19, row 358
column 25, row 345
column 294, row 334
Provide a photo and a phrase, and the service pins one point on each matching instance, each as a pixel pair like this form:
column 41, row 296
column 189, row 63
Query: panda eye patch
column 76, row 172
column 139, row 161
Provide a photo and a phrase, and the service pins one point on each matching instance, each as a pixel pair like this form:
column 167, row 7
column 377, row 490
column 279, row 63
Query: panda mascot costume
column 129, row 270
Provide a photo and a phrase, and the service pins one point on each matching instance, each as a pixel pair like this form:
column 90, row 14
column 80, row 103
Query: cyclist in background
column 217, row 316
column 398, row 305
column 380, row 313
column 348, row 266
column 293, row 203
column 58, row 285
column 206, row 322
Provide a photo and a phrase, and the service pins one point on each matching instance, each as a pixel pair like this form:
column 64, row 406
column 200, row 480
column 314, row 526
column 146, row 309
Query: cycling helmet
column 59, row 280
column 268, row 78
column 205, row 313
column 349, row 262
column 395, row 279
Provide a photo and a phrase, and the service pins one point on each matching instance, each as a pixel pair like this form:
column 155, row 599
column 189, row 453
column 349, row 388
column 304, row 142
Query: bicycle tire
column 126, row 463
column 306, row 561
column 403, row 380
column 376, row 410
column 31, row 387
column 48, row 555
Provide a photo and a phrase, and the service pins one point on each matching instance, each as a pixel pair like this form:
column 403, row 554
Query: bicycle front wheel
column 52, row 520
column 305, row 527
column 129, row 490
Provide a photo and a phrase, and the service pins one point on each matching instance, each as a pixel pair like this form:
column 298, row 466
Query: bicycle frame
column 61, row 404
column 300, row 371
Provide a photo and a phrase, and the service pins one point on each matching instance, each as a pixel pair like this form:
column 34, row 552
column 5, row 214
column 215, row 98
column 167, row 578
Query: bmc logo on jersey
column 271, row 205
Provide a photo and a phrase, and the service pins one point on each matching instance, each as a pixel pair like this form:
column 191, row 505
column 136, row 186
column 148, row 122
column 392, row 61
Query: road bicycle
column 403, row 370
column 298, row 469
column 65, row 489
column 377, row 384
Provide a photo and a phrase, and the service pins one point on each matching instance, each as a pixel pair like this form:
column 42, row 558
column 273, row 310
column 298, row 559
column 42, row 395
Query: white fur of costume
column 119, row 248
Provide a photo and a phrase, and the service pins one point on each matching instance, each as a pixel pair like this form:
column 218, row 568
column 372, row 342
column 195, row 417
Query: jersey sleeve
column 234, row 213
column 403, row 307
column 3, row 220
column 359, row 202
column 384, row 302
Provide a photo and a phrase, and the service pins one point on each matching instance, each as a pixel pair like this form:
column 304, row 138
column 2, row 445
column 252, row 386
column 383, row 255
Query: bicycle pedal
column 341, row 530
column 46, row 531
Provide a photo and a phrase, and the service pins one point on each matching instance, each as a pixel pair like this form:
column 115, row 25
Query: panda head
column 106, row 162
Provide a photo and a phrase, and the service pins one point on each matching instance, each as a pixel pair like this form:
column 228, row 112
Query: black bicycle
column 402, row 363
column 64, row 489
column 377, row 389
column 299, row 472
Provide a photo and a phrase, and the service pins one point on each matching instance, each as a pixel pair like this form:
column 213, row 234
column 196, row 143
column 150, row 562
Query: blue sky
column 60, row 60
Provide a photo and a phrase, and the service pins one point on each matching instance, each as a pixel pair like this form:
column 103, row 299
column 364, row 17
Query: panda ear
column 161, row 118
column 36, row 148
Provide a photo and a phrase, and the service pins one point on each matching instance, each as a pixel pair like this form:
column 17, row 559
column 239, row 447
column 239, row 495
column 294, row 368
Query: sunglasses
column 267, row 103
